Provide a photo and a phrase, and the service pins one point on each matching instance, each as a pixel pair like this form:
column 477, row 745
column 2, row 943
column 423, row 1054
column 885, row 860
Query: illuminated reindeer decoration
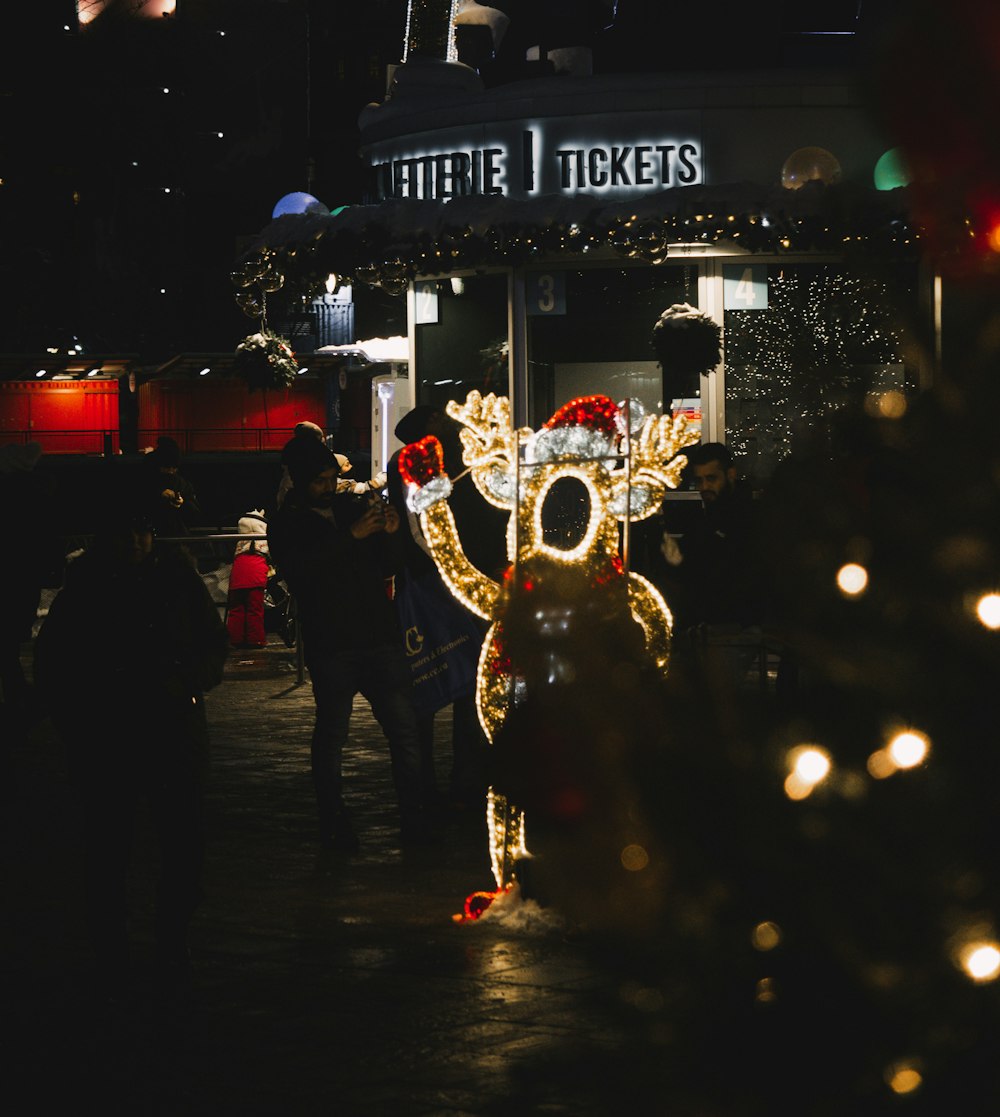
column 622, row 460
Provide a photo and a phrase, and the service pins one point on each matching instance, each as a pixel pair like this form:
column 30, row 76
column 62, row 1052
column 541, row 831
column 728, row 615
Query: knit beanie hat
column 167, row 454
column 306, row 458
column 413, row 425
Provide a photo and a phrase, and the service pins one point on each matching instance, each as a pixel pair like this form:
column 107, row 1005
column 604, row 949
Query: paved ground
column 321, row 984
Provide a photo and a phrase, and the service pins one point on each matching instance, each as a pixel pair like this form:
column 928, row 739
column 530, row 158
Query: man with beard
column 715, row 589
column 337, row 563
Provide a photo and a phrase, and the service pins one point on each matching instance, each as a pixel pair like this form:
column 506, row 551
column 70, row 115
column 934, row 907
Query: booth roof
column 66, row 366
column 372, row 350
column 385, row 244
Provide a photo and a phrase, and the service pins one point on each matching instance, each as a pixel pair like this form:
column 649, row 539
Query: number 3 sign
column 545, row 293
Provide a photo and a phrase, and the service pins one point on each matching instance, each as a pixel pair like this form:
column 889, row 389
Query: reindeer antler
column 656, row 466
column 489, row 444
column 655, row 457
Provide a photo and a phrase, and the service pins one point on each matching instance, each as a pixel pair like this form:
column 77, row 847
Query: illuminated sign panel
column 613, row 155
column 445, row 174
column 660, row 165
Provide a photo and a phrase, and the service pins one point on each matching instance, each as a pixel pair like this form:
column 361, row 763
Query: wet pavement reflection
column 321, row 983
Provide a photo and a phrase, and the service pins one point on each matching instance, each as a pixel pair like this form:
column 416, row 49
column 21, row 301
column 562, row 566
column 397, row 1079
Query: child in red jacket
column 247, row 582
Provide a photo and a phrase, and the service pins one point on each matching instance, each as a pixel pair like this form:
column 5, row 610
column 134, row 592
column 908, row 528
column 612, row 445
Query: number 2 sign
column 425, row 303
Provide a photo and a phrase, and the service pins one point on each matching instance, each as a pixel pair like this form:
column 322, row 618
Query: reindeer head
column 590, row 467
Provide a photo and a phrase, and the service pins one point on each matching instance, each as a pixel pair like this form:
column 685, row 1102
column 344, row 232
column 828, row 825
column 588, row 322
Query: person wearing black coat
column 482, row 529
column 337, row 557
column 716, row 585
column 123, row 659
column 32, row 558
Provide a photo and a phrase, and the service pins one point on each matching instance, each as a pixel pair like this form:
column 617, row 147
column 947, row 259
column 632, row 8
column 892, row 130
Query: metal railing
column 211, row 439
column 98, row 442
column 191, row 541
column 108, row 443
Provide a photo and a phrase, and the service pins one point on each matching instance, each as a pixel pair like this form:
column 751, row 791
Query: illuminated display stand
column 619, row 196
column 621, row 462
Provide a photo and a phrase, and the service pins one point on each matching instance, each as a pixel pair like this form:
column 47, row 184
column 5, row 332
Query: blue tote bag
column 442, row 640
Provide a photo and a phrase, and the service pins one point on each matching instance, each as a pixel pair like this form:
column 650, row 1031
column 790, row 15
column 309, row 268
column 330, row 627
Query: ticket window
column 590, row 331
column 460, row 337
column 586, row 331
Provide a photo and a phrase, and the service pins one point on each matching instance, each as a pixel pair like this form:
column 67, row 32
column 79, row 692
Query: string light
column 492, row 454
column 371, row 246
column 506, row 829
column 791, row 366
column 624, row 460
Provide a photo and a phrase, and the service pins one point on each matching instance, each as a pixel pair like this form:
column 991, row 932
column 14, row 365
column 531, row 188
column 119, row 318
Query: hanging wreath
column 687, row 341
column 264, row 361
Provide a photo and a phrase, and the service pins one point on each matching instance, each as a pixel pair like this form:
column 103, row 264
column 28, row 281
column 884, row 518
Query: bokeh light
column 880, row 764
column 852, row 579
column 981, row 961
column 809, row 164
column 297, row 202
column 993, row 237
column 892, row 404
column 908, row 748
column 891, row 170
column 903, row 1077
column 766, row 936
column 634, row 858
column 988, row 610
column 766, row 992
column 808, row 766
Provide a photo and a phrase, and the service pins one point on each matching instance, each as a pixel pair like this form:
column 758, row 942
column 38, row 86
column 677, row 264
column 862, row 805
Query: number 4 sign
column 744, row 286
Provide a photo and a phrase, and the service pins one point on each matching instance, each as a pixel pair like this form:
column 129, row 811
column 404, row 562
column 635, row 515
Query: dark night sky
column 122, row 209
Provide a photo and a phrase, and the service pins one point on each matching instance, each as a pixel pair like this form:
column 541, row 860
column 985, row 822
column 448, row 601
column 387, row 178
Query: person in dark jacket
column 32, row 558
column 482, row 529
column 717, row 588
column 337, row 564
column 130, row 645
column 171, row 501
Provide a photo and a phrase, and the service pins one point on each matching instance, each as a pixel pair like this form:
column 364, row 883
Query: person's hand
column 670, row 551
column 172, row 497
column 391, row 519
column 372, row 520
